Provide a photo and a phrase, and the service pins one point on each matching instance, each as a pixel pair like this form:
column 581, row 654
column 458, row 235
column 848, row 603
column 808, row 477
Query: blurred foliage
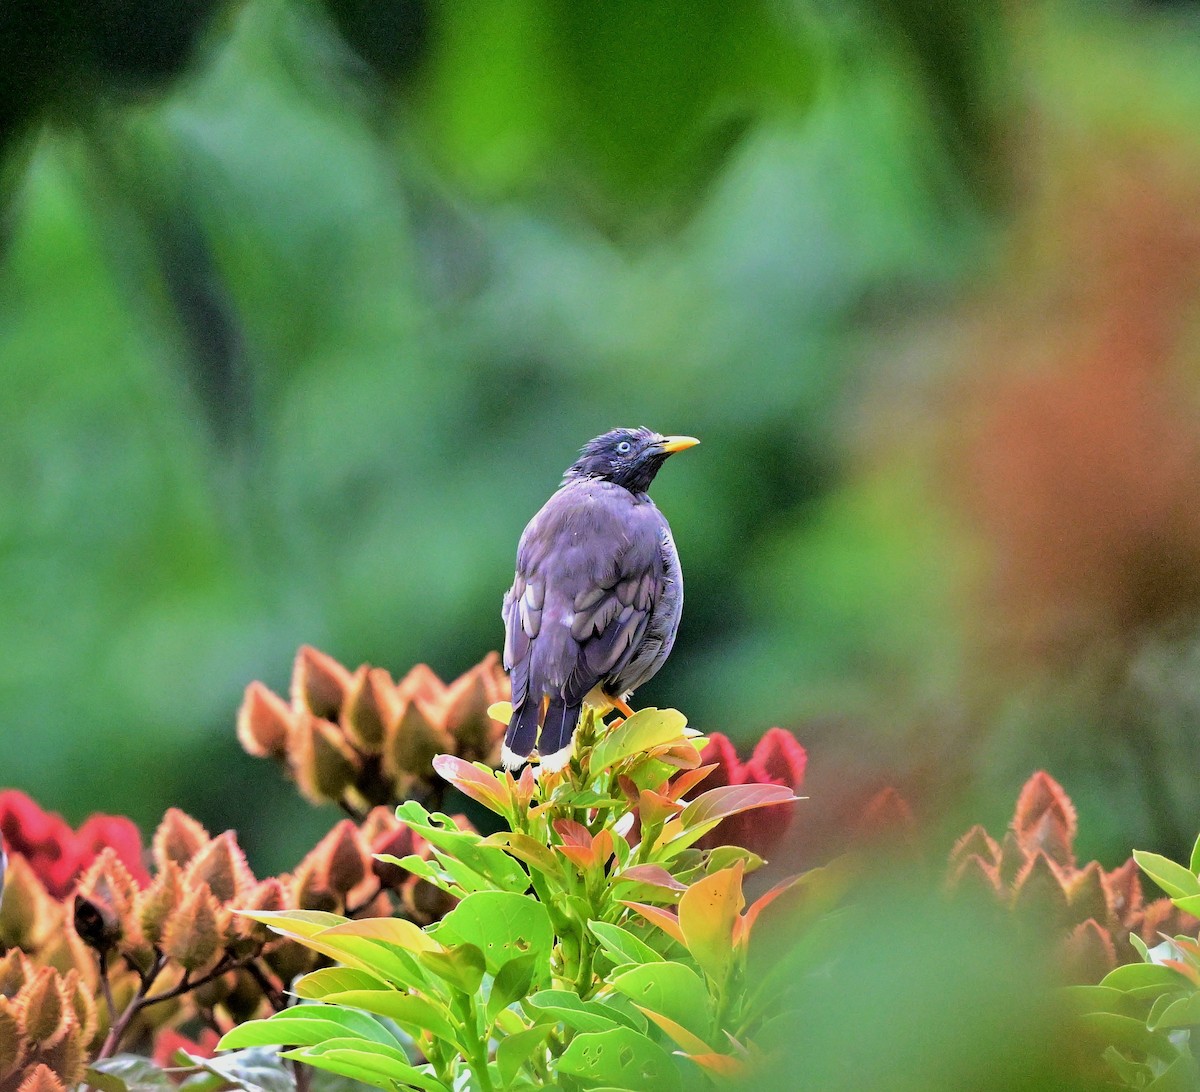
column 305, row 306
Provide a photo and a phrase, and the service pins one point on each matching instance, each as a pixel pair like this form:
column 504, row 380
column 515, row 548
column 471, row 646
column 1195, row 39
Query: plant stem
column 106, row 989
column 117, row 1032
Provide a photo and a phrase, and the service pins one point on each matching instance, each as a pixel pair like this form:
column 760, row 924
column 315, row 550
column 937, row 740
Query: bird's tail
column 521, row 735
column 558, row 734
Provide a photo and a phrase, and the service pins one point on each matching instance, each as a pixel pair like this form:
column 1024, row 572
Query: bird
column 597, row 596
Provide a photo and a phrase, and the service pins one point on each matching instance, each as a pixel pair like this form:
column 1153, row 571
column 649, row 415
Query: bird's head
column 630, row 457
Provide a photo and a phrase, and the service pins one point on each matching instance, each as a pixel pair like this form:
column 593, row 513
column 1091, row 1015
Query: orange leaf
column 708, row 913
column 656, row 915
column 684, row 1038
column 573, row 833
column 479, row 784
column 741, row 931
column 579, row 856
column 688, row 780
column 729, row 800
column 652, row 874
column 724, row 1065
column 654, row 808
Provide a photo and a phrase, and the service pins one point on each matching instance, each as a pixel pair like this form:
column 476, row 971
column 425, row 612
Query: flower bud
column 343, row 858
column 368, row 707
column 321, row 761
column 15, row 969
column 179, row 838
column 413, row 740
column 421, row 683
column 222, row 865
column 83, row 1004
column 160, row 900
column 42, row 1003
column 41, row 1079
column 28, row 915
column 1039, row 889
column 214, row 992
column 310, row 886
column 263, row 723
column 397, row 842
column 464, row 714
column 13, row 1045
column 97, row 922
column 67, row 1058
column 1089, row 953
column 1045, row 819
column 319, row 683
column 267, row 895
column 193, row 934
column 425, row 902
column 290, row 959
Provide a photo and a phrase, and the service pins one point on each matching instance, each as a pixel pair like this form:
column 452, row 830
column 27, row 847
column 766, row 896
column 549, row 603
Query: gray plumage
column 597, row 596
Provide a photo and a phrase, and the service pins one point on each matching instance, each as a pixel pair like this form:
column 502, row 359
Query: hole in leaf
column 626, row 1056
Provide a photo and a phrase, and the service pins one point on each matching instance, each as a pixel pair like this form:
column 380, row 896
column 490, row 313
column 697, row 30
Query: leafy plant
column 592, row 944
column 1143, row 1018
column 1101, row 916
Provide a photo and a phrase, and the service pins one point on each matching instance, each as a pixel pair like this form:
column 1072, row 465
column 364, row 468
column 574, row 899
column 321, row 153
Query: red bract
column 170, row 1041
column 55, row 852
column 778, row 759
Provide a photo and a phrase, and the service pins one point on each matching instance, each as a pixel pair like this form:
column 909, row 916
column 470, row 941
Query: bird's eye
column 624, row 447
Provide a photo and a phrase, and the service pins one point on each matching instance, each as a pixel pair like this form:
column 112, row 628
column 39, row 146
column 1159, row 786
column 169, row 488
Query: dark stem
column 272, row 992
column 106, row 987
column 117, row 1032
column 187, row 984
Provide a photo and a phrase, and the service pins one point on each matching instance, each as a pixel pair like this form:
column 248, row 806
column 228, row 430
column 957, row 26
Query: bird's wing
column 589, row 573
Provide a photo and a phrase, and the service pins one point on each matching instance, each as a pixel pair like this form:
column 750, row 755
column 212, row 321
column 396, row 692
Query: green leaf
column 671, row 989
column 394, row 932
column 1182, row 1075
column 566, row 1007
column 128, row 1073
column 720, row 857
column 258, row 1069
column 527, row 849
column 414, row 1014
column 371, row 1062
column 1127, row 1032
column 490, row 865
column 1194, row 860
column 315, row 985
column 512, row 983
column 1096, row 999
column 621, row 1057
column 462, row 965
column 503, row 926
column 645, row 729
column 1190, row 904
column 1183, row 1012
column 313, row 930
column 1173, row 878
column 1134, row 976
column 296, row 923
column 305, row 1025
column 621, row 945
column 515, row 1050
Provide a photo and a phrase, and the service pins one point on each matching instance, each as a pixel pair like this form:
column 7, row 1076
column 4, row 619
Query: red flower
column 55, row 852
column 778, row 759
column 169, row 1041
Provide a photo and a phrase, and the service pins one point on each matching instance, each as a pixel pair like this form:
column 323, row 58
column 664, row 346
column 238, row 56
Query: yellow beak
column 671, row 444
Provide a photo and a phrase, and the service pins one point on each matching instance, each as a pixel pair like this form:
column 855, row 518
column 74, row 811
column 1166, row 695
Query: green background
column 305, row 307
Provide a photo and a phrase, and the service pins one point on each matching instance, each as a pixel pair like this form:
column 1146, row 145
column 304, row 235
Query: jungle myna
column 596, row 601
